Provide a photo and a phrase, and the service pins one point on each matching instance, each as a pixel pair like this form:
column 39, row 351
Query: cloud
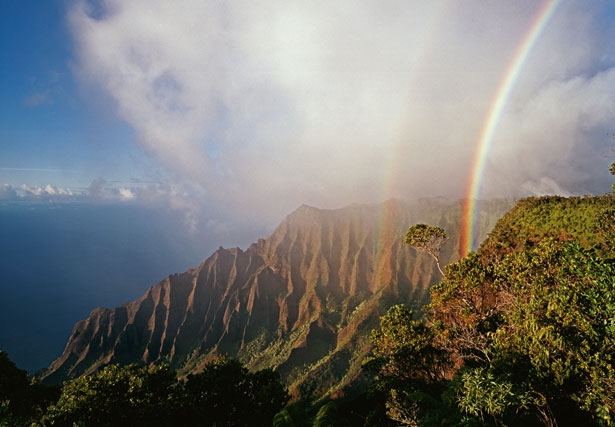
column 560, row 133
column 36, row 192
column 544, row 187
column 151, row 193
column 99, row 191
column 126, row 194
column 257, row 107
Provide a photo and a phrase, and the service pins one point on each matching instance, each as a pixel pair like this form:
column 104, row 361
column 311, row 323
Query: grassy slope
column 589, row 220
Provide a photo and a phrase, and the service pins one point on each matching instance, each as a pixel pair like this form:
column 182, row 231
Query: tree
column 557, row 338
column 22, row 399
column 225, row 393
column 14, row 384
column 404, row 349
column 526, row 340
column 427, row 239
column 538, row 327
column 408, row 364
column 465, row 310
column 117, row 396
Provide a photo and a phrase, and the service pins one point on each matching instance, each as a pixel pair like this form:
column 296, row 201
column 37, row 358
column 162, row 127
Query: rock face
column 301, row 301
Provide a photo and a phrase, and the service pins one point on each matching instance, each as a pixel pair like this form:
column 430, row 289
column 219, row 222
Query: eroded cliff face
column 301, row 301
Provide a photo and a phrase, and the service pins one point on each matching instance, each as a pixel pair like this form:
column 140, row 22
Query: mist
column 257, row 107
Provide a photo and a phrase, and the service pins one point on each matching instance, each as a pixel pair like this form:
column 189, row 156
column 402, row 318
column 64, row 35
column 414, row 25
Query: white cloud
column 25, row 191
column 126, row 194
column 560, row 133
column 260, row 106
column 30, row 193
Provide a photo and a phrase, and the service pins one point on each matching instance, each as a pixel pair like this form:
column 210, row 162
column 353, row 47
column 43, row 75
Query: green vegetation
column 520, row 333
column 22, row 399
column 588, row 220
column 223, row 394
column 427, row 239
column 117, row 396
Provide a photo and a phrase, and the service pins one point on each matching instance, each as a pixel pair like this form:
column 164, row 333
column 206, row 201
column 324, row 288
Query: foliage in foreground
column 225, row 393
column 526, row 340
column 22, row 399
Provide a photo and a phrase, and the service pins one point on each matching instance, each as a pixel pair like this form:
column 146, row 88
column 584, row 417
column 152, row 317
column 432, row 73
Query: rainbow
column 503, row 91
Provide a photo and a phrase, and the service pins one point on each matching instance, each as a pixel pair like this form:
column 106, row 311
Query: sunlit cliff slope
column 301, row 301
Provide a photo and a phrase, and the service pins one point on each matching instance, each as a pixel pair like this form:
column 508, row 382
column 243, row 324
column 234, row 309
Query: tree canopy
column 22, row 399
column 117, row 396
column 526, row 340
column 428, row 239
column 225, row 393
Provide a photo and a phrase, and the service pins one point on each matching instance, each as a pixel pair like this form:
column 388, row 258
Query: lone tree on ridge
column 428, row 239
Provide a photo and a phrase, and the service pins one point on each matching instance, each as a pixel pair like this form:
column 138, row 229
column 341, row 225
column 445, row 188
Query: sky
column 255, row 107
column 136, row 136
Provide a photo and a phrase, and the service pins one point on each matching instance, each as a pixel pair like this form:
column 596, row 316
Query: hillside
column 520, row 332
column 589, row 220
column 301, row 301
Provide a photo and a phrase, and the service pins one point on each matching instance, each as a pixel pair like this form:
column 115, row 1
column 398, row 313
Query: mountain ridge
column 301, row 301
